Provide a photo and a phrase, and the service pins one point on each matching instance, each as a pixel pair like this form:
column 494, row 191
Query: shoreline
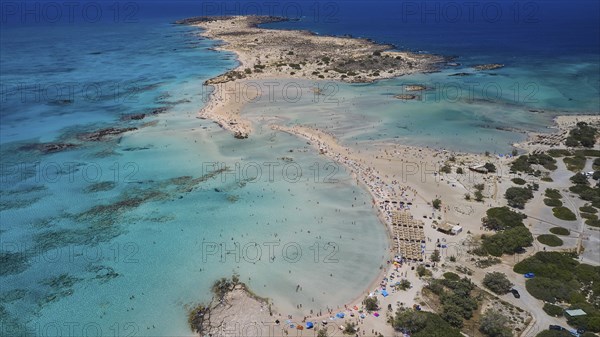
column 372, row 167
column 292, row 54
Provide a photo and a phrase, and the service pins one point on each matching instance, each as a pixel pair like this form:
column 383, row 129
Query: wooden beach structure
column 409, row 235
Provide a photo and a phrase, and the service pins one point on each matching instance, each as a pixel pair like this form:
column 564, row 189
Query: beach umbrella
column 300, row 327
column 384, row 293
column 340, row 315
column 309, row 325
column 355, row 307
column 376, row 314
column 362, row 316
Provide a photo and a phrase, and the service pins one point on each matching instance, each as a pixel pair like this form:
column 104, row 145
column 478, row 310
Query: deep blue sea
column 122, row 234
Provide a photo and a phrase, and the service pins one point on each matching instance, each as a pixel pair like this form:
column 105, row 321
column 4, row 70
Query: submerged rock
column 101, row 134
column 100, row 187
column 490, row 66
column 45, row 148
column 415, row 87
column 240, row 135
column 407, row 97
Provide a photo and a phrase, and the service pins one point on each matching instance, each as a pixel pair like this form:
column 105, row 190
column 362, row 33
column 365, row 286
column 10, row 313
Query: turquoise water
column 124, row 235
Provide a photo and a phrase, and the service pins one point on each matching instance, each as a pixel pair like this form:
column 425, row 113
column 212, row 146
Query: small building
column 575, row 313
column 456, row 230
column 449, row 228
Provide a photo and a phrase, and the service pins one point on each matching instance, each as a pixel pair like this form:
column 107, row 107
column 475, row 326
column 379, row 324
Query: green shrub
column 423, row 324
column 519, row 181
column 560, row 231
column 582, row 135
column 589, row 216
column 592, row 222
column 554, row 333
column 575, row 164
column 518, row 196
column 579, row 179
column 553, row 310
column 422, row 271
column 556, row 153
column 588, row 209
column 552, row 193
column 497, row 282
column 564, row 213
column 370, row 303
column 508, row 241
column 550, row 240
column 553, row 202
column 498, row 218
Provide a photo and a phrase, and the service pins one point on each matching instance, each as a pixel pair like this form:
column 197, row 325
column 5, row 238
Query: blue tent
column 340, row 315
column 529, row 275
column 384, row 293
column 309, row 325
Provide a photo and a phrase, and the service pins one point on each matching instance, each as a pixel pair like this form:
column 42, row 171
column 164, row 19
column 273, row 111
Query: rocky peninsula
column 277, row 54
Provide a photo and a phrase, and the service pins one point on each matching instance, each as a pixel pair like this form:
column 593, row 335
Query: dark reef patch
column 100, row 187
column 13, row 263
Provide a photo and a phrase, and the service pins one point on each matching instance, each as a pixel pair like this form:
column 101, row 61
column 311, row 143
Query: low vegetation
column 519, row 181
column 550, row 240
column 494, row 324
column 497, row 282
column 553, row 310
column 575, row 163
column 422, row 324
column 517, row 197
column 552, row 194
column 560, row 231
column 564, row 213
column 552, row 202
column 456, row 299
column 370, row 303
column 509, row 241
column 561, row 278
column 499, row 218
column 583, row 135
column 524, row 163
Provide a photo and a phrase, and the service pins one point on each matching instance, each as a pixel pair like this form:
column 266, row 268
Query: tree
column 350, row 328
column 446, row 169
column 494, row 324
column 554, row 333
column 459, row 170
column 437, row 203
column 422, row 271
column 453, row 315
column 478, row 195
column 403, row 285
column 499, row 218
column 435, row 256
column 370, row 303
column 518, row 196
column 579, row 179
column 322, row 333
column 508, row 241
column 422, row 324
column 497, row 282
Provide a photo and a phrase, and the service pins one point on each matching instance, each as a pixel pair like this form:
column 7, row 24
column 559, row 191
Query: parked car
column 515, row 293
column 556, row 327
